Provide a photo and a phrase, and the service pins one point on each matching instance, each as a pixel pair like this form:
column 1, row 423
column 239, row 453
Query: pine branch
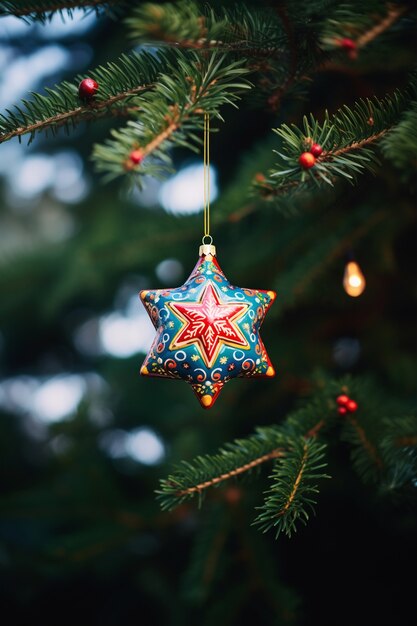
column 399, row 453
column 172, row 115
column 121, row 86
column 364, row 430
column 43, row 10
column 262, row 36
column 298, row 456
column 360, row 25
column 393, row 14
column 244, row 456
column 293, row 485
column 187, row 25
column 361, row 439
column 347, row 139
column 399, row 146
column 241, row 456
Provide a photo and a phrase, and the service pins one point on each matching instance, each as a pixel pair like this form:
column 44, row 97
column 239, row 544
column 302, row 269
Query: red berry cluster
column 308, row 159
column 346, row 405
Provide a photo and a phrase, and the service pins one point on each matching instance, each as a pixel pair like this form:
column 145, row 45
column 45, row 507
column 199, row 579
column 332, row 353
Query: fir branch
column 393, row 14
column 355, row 145
column 261, row 36
column 362, row 439
column 293, row 485
column 78, row 115
column 361, row 25
column 405, row 442
column 399, row 452
column 172, row 114
column 43, row 10
column 235, row 472
column 347, row 139
column 364, row 431
column 186, row 25
column 241, row 456
column 277, row 93
column 121, row 86
column 399, row 146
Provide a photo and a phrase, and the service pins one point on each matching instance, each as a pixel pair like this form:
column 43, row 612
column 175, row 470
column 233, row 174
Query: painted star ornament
column 207, row 330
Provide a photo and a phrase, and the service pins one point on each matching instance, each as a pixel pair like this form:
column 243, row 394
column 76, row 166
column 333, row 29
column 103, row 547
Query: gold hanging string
column 207, row 238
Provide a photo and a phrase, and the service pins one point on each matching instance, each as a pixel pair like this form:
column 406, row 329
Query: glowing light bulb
column 353, row 280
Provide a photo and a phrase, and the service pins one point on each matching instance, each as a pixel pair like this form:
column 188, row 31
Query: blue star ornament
column 207, row 331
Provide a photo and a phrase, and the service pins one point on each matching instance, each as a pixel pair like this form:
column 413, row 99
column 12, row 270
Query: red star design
column 209, row 324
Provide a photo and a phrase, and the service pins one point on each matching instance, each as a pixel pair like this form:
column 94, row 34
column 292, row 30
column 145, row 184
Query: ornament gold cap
column 206, row 249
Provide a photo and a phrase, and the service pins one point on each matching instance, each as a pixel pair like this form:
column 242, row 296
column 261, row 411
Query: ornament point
column 270, row 371
column 272, row 295
column 144, row 370
column 142, row 294
column 206, row 401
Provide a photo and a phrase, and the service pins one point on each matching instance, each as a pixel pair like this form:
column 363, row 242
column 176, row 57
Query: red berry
column 87, row 88
column 342, row 400
column 307, row 160
column 352, row 406
column 348, row 44
column 342, row 410
column 316, row 149
column 136, row 156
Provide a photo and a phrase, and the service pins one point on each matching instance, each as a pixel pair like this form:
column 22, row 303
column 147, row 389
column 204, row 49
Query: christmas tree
column 292, row 500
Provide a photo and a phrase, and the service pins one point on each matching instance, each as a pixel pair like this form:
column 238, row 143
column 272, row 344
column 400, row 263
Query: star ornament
column 207, row 331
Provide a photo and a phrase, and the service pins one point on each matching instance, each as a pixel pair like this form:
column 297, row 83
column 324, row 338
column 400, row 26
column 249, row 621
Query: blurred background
column 84, row 440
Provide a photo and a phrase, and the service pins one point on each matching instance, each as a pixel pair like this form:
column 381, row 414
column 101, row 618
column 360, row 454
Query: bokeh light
column 58, row 397
column 142, row 445
column 183, row 193
column 169, row 271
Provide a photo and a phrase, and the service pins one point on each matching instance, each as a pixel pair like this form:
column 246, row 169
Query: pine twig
column 355, row 145
column 274, row 454
column 293, row 486
column 297, row 482
column 172, row 114
column 366, row 443
column 81, row 113
column 359, row 26
column 403, row 442
column 347, row 139
column 46, row 7
column 235, row 472
column 393, row 14
column 122, row 85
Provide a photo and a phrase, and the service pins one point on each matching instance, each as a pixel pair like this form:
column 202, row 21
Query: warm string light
column 353, row 280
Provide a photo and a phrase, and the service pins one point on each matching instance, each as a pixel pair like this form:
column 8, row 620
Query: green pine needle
column 291, row 496
column 43, row 10
column 347, row 138
column 399, row 453
column 121, row 84
column 172, row 114
column 242, row 455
